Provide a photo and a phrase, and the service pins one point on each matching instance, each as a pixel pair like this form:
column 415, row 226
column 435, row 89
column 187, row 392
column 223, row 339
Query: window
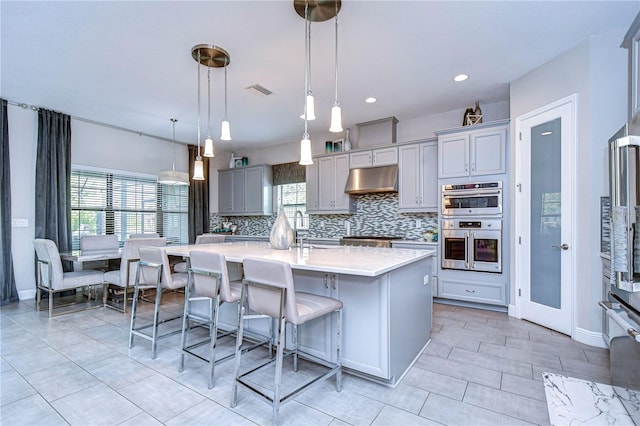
column 107, row 203
column 293, row 197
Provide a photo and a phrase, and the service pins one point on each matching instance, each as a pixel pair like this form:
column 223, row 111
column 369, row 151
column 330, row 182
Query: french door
column 545, row 155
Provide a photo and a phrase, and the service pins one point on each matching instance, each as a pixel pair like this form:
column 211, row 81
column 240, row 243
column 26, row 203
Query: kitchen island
column 386, row 292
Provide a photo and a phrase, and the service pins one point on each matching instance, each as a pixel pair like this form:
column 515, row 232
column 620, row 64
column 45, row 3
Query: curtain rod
column 86, row 120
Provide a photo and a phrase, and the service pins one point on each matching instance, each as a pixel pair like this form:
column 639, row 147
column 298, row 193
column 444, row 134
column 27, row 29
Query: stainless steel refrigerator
column 621, row 321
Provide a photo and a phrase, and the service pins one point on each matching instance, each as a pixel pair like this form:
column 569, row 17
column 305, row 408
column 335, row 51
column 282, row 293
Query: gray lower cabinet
column 470, row 290
column 245, row 191
column 418, row 177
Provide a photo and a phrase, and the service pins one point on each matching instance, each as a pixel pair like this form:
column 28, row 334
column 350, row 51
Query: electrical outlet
column 322, row 224
column 418, row 223
column 426, row 280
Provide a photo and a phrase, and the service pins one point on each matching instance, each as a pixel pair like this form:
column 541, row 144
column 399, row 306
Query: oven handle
column 470, row 192
column 611, row 313
column 466, row 255
column 470, row 245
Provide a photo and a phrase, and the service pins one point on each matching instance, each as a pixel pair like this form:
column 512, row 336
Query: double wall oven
column 471, row 227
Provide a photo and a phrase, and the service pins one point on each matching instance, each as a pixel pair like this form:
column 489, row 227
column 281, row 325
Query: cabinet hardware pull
column 326, row 277
column 469, row 291
column 333, row 281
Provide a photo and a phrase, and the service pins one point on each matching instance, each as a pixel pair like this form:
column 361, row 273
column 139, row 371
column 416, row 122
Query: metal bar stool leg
column 185, row 324
column 156, row 314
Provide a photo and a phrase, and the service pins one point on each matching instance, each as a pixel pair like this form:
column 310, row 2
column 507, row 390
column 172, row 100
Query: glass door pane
column 546, row 169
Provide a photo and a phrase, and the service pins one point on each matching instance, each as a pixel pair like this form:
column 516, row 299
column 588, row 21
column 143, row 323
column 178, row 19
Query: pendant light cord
column 226, row 62
column 208, row 101
column 198, row 153
column 173, row 120
column 307, row 48
column 336, row 99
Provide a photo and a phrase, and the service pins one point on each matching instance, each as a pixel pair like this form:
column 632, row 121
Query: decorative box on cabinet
column 418, row 177
column 245, row 191
column 377, row 132
column 326, row 180
column 374, row 157
column 632, row 43
column 473, row 150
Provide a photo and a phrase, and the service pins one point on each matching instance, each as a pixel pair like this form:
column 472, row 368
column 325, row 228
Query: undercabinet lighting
column 460, row 77
column 370, row 100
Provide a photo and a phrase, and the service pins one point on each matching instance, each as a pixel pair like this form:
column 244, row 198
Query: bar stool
column 208, row 281
column 203, row 239
column 153, row 270
column 268, row 289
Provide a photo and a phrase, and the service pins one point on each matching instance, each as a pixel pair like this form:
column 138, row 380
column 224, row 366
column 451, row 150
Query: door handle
column 562, row 246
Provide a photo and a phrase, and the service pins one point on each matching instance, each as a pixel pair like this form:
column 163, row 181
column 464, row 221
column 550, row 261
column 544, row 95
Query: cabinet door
column 326, row 183
column 225, row 189
column 385, row 156
column 365, row 319
column 341, row 200
column 312, row 186
column 488, row 152
column 237, row 191
column 429, row 176
column 409, row 172
column 360, row 159
column 453, row 155
column 253, row 185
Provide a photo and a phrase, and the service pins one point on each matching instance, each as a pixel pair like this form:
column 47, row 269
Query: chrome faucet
column 295, row 227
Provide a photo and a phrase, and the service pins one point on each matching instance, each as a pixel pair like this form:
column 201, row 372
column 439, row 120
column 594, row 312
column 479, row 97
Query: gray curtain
column 53, row 180
column 8, row 291
column 198, row 198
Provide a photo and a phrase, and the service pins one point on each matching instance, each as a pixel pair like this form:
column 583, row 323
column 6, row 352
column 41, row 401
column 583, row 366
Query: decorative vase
column 281, row 233
column 346, row 145
column 478, row 113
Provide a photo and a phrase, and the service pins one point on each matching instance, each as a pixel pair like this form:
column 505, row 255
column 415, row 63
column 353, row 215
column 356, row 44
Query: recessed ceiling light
column 370, row 100
column 460, row 77
column 547, row 133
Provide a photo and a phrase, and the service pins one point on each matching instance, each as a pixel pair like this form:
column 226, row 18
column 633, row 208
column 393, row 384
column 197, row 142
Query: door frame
column 572, row 101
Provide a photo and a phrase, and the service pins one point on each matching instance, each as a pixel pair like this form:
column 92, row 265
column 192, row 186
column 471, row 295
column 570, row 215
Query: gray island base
column 386, row 292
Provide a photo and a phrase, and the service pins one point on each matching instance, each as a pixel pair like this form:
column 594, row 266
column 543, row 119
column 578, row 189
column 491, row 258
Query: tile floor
column 481, row 367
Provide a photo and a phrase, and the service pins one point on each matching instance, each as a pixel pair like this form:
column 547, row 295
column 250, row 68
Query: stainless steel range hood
column 372, row 179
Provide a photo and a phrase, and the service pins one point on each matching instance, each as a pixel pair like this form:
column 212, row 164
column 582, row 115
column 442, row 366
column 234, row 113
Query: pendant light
column 208, row 141
column 305, row 142
column 309, row 102
column 336, row 111
column 226, row 129
column 172, row 177
column 212, row 57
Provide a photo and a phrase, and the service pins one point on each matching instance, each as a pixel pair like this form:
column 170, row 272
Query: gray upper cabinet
column 245, row 191
column 473, row 150
column 632, row 43
column 326, row 180
column 418, row 177
column 374, row 157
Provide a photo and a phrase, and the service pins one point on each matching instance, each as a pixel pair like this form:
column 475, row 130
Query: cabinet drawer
column 492, row 293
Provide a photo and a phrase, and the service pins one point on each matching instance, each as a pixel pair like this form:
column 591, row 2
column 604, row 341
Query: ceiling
column 129, row 64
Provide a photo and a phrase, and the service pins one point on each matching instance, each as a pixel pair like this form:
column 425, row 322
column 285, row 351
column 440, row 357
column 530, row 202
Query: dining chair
column 123, row 279
column 200, row 239
column 52, row 279
column 89, row 243
column 147, row 235
column 268, row 288
column 154, row 271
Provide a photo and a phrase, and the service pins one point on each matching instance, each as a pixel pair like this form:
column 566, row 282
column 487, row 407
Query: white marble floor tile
column 580, row 402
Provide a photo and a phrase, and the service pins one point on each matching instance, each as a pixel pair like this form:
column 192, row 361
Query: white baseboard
column 513, row 311
column 27, row 294
column 590, row 338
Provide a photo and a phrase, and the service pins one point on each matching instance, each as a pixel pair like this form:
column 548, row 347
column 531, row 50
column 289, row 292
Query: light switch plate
column 19, row 223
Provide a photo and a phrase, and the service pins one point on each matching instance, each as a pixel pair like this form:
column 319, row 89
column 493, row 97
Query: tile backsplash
column 377, row 214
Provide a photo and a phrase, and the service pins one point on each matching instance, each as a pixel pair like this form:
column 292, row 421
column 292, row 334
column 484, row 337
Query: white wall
column 596, row 71
column 91, row 145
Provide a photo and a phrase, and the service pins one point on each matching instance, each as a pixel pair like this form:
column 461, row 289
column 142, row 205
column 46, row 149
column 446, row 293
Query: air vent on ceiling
column 259, row 88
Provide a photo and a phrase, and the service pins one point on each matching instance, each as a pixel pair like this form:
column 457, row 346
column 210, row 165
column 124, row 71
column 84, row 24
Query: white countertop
column 366, row 261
